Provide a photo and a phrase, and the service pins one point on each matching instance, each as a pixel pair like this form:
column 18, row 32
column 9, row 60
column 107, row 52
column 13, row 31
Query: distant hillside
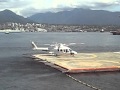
column 9, row 16
column 78, row 16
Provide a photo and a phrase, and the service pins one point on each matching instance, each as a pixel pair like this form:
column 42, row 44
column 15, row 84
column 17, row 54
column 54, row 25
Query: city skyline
column 30, row 7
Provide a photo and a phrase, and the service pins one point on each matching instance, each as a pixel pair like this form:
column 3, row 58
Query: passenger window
column 66, row 50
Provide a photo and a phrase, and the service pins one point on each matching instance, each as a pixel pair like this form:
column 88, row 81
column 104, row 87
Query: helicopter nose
column 74, row 52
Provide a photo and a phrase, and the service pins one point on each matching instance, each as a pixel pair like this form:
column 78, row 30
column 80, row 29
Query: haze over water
column 21, row 73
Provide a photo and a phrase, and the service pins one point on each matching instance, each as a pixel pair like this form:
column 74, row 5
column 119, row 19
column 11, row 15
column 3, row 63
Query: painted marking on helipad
column 85, row 56
column 117, row 52
column 84, row 61
column 110, row 61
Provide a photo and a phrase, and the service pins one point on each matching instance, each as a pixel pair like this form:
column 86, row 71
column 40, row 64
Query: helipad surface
column 83, row 62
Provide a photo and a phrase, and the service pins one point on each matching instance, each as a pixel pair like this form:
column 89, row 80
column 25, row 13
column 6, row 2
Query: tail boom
column 39, row 48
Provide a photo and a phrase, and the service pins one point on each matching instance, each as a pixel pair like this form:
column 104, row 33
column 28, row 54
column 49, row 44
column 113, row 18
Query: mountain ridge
column 9, row 16
column 78, row 16
column 74, row 16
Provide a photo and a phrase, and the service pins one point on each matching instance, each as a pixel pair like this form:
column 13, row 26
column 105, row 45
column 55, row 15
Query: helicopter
column 56, row 49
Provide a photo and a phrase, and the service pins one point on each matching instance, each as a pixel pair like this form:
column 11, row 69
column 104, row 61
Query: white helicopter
column 56, row 49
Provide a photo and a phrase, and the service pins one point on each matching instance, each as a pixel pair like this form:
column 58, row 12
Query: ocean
column 18, row 72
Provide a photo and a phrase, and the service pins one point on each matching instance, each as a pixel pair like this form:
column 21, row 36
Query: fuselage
column 61, row 49
column 57, row 49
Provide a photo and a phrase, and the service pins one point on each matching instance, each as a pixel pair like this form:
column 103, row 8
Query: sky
column 29, row 7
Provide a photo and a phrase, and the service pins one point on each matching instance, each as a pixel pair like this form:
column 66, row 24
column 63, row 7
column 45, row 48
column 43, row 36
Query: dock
column 82, row 62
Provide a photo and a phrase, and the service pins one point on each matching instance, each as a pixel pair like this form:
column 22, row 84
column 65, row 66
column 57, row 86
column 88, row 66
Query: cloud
column 29, row 7
column 29, row 11
column 98, row 4
column 4, row 1
column 14, row 5
column 106, row 5
column 61, row 5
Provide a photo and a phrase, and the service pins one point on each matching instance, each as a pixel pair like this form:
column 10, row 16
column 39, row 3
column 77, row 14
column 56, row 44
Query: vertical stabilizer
column 34, row 45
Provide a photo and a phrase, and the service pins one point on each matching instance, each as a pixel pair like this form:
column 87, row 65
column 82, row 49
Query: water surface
column 20, row 73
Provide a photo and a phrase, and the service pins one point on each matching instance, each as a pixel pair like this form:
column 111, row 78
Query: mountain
column 78, row 16
column 9, row 16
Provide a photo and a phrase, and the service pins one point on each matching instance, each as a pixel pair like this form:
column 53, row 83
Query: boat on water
column 115, row 32
column 7, row 31
column 102, row 30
